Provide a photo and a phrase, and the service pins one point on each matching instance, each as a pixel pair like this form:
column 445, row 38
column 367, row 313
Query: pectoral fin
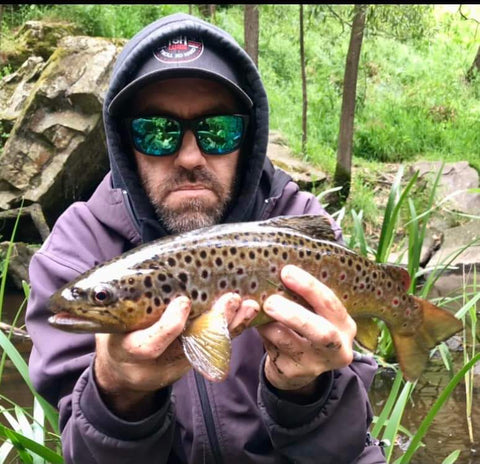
column 207, row 345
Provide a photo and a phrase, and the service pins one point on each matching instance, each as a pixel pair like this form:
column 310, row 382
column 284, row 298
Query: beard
column 191, row 213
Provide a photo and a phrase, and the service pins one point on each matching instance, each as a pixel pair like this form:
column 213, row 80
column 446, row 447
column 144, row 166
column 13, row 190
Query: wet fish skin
column 131, row 291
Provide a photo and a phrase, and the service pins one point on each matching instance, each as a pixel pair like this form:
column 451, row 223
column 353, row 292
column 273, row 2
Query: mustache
column 198, row 175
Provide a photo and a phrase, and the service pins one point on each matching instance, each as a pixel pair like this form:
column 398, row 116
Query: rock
column 453, row 281
column 56, row 152
column 38, row 38
column 304, row 174
column 18, row 263
column 455, row 177
column 15, row 89
column 456, row 238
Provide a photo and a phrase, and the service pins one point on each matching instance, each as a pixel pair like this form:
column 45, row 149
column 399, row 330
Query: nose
column 189, row 155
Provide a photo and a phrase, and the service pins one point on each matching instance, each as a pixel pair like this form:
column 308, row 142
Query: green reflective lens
column 220, row 134
column 162, row 136
column 156, row 136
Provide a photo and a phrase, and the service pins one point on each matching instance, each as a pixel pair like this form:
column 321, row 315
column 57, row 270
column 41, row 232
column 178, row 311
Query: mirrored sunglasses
column 163, row 135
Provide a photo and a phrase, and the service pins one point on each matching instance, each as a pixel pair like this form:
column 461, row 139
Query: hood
column 253, row 155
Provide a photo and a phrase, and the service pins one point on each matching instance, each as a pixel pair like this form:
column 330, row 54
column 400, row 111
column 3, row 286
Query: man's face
column 188, row 189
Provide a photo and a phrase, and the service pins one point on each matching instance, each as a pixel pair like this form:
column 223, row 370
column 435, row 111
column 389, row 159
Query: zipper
column 208, row 417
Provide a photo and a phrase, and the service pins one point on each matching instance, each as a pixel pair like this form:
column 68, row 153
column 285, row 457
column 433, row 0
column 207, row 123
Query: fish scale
column 131, row 291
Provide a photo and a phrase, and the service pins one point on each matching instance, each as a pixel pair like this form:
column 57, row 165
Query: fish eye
column 102, row 295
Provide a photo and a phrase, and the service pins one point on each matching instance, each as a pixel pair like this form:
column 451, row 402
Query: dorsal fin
column 314, row 225
column 399, row 274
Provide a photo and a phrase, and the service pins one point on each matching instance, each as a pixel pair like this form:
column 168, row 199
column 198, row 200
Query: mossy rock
column 38, row 38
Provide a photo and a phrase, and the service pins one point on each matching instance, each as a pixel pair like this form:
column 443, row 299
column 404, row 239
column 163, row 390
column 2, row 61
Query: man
column 296, row 392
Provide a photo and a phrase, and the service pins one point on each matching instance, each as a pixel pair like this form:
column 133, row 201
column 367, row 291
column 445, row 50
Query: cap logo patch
column 179, row 50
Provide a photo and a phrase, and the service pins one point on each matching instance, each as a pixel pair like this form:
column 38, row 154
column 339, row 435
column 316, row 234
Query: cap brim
column 119, row 105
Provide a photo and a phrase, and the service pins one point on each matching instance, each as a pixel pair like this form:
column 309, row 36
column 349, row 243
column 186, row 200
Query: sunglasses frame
column 187, row 124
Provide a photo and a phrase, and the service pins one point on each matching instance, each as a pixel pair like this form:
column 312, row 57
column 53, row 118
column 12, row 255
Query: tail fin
column 413, row 350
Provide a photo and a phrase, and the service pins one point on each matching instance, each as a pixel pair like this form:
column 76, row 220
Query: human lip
column 186, row 187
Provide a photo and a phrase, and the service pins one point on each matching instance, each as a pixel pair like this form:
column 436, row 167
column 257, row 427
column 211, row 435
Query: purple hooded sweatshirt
column 241, row 420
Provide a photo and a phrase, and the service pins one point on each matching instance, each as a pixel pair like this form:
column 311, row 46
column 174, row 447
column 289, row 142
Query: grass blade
column 424, row 426
column 23, row 443
column 22, row 368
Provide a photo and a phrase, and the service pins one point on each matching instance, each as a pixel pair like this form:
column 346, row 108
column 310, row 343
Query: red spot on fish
column 342, row 276
column 324, row 275
column 379, row 292
column 345, row 296
column 408, row 312
column 395, row 302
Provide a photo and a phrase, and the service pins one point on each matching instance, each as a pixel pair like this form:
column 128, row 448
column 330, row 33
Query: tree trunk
column 343, row 170
column 251, row 20
column 475, row 68
column 207, row 10
column 304, row 84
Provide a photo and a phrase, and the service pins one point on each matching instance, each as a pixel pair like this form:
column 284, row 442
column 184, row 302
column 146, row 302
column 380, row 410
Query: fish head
column 88, row 305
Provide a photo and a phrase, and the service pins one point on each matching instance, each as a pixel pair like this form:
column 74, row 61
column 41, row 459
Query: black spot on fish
column 251, row 255
column 203, row 254
column 318, row 256
column 131, row 280
column 358, row 267
column 223, row 284
column 275, row 250
column 301, row 254
column 233, row 250
column 188, row 259
column 224, row 253
column 350, row 262
column 167, row 288
column 253, row 285
column 194, row 294
column 130, row 310
column 266, row 253
column 213, row 252
column 230, row 266
column 147, row 281
column 149, row 310
column 156, row 301
column 242, row 255
column 183, row 277
column 204, row 274
column 162, row 277
column 166, row 301
column 171, row 262
column 284, row 255
column 218, row 262
column 148, row 295
column 204, row 296
column 240, row 271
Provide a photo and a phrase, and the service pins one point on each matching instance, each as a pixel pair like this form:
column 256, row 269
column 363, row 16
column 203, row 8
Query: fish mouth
column 72, row 323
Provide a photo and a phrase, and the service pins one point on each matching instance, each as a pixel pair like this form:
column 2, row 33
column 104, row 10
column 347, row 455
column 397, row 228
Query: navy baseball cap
column 182, row 56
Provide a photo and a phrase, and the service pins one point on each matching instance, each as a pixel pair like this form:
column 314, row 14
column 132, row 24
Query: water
column 448, row 432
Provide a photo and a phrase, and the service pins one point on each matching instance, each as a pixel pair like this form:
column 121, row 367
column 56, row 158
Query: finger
column 244, row 316
column 284, row 339
column 153, row 341
column 313, row 327
column 228, row 303
column 320, row 297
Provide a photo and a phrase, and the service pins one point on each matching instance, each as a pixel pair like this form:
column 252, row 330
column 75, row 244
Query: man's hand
column 303, row 343
column 131, row 368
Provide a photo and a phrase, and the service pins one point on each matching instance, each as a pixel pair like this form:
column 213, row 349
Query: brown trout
column 131, row 291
